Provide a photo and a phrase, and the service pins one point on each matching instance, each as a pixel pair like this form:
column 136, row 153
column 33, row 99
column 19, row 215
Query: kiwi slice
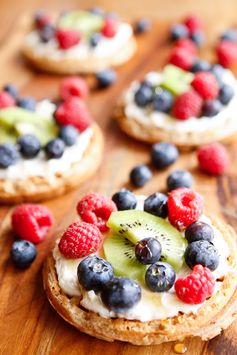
column 120, row 252
column 176, row 80
column 7, row 135
column 136, row 225
column 83, row 21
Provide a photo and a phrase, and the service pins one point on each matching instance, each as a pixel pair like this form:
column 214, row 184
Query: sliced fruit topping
column 79, row 240
column 23, row 253
column 148, row 250
column 160, row 277
column 137, row 225
column 176, row 80
column 73, row 86
column 31, row 222
column 202, row 252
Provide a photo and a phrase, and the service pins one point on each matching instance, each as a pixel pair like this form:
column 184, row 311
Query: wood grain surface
column 28, row 324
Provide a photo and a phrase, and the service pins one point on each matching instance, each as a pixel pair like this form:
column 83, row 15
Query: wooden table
column 28, row 323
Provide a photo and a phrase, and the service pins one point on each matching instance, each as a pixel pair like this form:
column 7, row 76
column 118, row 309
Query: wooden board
column 28, row 323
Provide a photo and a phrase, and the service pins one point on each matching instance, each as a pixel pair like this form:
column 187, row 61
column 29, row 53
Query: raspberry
column 196, row 287
column 188, row 104
column 73, row 86
column 6, row 100
column 110, row 27
column 73, row 112
column 193, row 23
column 206, row 85
column 96, row 208
column 67, row 38
column 79, row 240
column 227, row 53
column 187, row 44
column 184, row 207
column 213, row 158
column 31, row 222
column 182, row 58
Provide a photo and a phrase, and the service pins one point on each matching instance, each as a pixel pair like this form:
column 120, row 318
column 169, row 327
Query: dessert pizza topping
column 73, row 86
column 202, row 252
column 213, row 158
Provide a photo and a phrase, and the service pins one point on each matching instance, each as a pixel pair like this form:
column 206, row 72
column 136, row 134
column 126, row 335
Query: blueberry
column 218, row 71
column 29, row 145
column 229, row 35
column 93, row 272
column 201, row 65
column 95, row 39
column 179, row 178
column 156, row 204
column 199, row 231
column 198, row 38
column 121, row 294
column 162, row 100
column 11, row 89
column 47, row 33
column 163, row 154
column 202, row 252
column 160, row 277
column 23, row 253
column 8, row 155
column 142, row 25
column 125, row 200
column 68, row 134
column 55, row 148
column 144, row 95
column 211, row 108
column 106, row 77
column 179, row 31
column 148, row 250
column 140, row 175
column 27, row 103
column 226, row 93
column 96, row 10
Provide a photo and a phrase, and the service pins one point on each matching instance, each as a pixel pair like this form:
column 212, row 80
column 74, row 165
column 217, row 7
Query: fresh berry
column 144, row 95
column 156, row 204
column 68, row 134
column 106, row 78
column 199, row 231
column 213, row 158
column 227, row 53
column 73, row 86
column 55, row 148
column 6, row 99
column 206, row 85
column 196, row 287
column 185, row 207
column 112, row 14
column 96, row 10
column 23, row 253
column 124, row 200
column 142, row 25
column 226, row 93
column 8, row 155
column 27, row 102
column 218, row 71
column 211, row 108
column 198, row 38
column 67, row 38
column 163, row 154
column 29, row 145
column 95, row 39
column 202, row 252
column 187, row 44
column 187, row 105
column 193, row 23
column 140, row 175
column 179, row 31
column 121, row 294
column 162, row 100
column 229, row 35
column 148, row 250
column 42, row 19
column 110, row 27
column 201, row 65
column 11, row 90
column 179, row 178
column 73, row 112
column 31, row 222
column 160, row 277
column 94, row 272
column 182, row 58
column 47, row 33
column 79, row 240
column 96, row 208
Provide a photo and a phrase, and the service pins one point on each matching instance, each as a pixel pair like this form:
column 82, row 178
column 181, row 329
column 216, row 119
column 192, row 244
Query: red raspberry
column 213, row 158
column 206, row 85
column 110, row 27
column 196, row 287
column 182, row 58
column 31, row 222
column 6, row 100
column 73, row 112
column 188, row 104
column 193, row 23
column 73, row 86
column 67, row 38
column 79, row 240
column 42, row 19
column 187, row 44
column 96, row 208
column 227, row 53
column 185, row 207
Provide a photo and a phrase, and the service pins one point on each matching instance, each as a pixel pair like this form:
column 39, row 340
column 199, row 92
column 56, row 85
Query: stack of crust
column 41, row 188
column 216, row 314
